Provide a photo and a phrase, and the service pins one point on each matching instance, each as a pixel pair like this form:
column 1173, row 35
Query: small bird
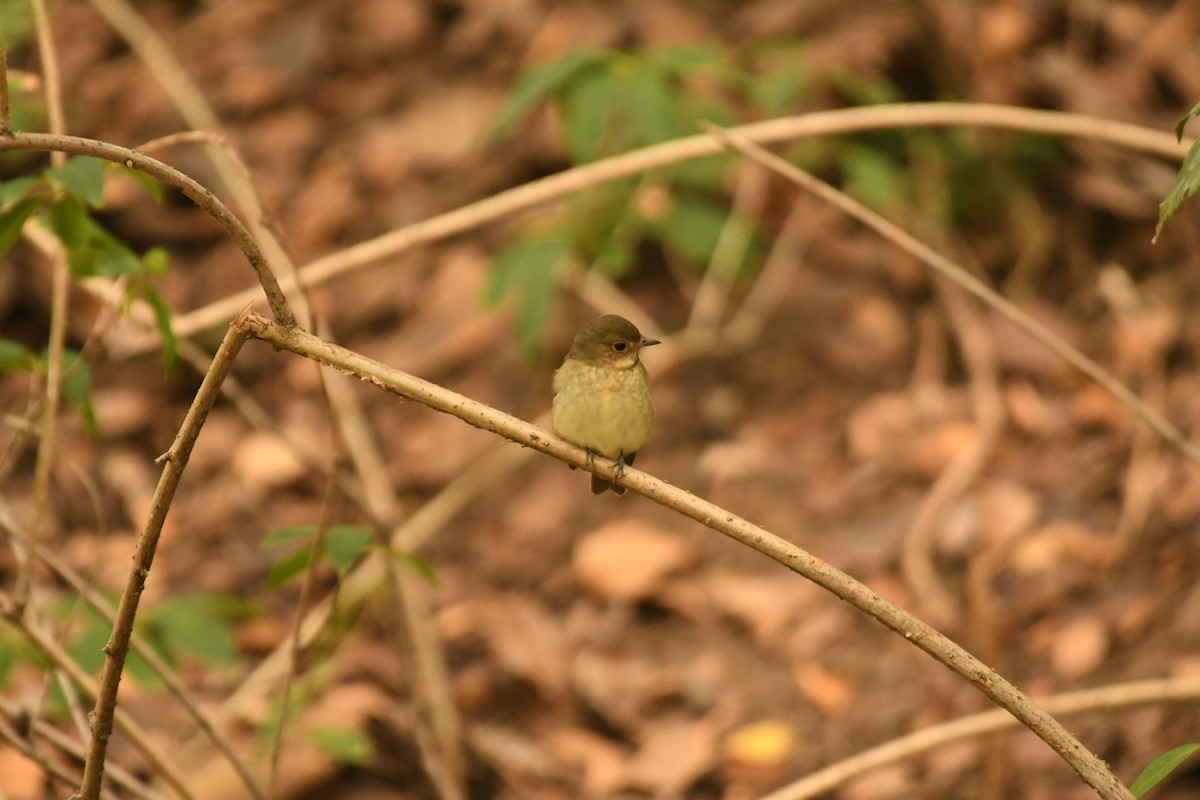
column 602, row 395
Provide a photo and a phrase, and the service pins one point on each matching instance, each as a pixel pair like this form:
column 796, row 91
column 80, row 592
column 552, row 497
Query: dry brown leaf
column 524, row 638
column 1143, row 340
column 767, row 604
column 744, row 457
column 1006, row 509
column 878, row 429
column 1080, row 646
column 674, row 754
column 1096, row 407
column 620, row 688
column 263, row 461
column 629, row 559
column 829, row 691
column 1061, row 541
column 21, row 778
column 601, row 760
column 886, row 783
column 1030, row 411
column 935, row 448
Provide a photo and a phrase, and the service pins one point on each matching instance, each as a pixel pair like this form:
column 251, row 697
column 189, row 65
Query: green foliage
column 16, row 357
column 1188, row 180
column 77, row 386
column 343, row 545
column 525, row 269
column 65, row 197
column 349, row 746
column 608, row 102
column 1161, row 767
column 193, row 627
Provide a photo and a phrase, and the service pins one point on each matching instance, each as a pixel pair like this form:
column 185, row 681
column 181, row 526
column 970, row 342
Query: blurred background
column 815, row 380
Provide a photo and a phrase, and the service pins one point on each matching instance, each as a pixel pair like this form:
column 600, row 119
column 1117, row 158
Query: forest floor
column 604, row 646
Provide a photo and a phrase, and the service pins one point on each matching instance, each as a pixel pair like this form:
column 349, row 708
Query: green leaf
column 286, row 535
column 693, row 227
column 345, row 543
column 538, row 85
column 68, row 220
column 650, row 105
column 77, row 387
column 149, row 184
column 16, row 20
column 344, row 745
column 526, row 270
column 288, row 567
column 110, row 256
column 156, row 261
column 1194, row 111
column 586, row 107
column 162, row 320
column 1186, row 184
column 683, row 59
column 16, row 357
column 13, row 220
column 193, row 624
column 12, row 650
column 87, row 646
column 1161, row 767
column 420, row 565
column 873, row 177
column 11, row 191
column 82, row 176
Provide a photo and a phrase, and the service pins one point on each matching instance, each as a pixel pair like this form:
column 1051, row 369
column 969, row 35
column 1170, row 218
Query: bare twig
column 825, row 123
column 164, row 66
column 37, row 729
column 1119, row 695
column 965, row 280
column 435, row 719
column 54, row 652
column 749, row 197
column 176, row 459
column 1085, row 763
column 169, row 678
column 60, row 283
column 5, row 107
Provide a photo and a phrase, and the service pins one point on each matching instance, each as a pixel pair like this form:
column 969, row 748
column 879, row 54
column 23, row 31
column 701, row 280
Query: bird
column 602, row 397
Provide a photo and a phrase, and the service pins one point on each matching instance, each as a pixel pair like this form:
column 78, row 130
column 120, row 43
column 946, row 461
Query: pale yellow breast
column 608, row 411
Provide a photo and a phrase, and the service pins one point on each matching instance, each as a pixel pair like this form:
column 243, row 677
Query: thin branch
column 1085, row 763
column 41, row 730
column 52, row 651
column 172, row 177
column 176, row 459
column 957, row 275
column 5, row 107
column 805, row 126
column 170, row 679
column 1119, row 695
column 60, row 284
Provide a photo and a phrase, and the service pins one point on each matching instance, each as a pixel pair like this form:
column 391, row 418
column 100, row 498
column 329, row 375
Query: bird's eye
column 620, row 346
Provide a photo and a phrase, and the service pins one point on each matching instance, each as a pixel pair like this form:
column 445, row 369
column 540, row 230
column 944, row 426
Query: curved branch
column 1085, row 763
column 206, row 200
column 784, row 129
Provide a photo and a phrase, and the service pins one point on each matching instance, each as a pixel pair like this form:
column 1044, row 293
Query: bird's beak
column 648, row 342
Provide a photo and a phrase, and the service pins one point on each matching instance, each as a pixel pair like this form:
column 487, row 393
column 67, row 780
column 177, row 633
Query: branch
column 206, row 200
column 1085, row 763
column 785, row 129
column 960, row 277
column 143, row 556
